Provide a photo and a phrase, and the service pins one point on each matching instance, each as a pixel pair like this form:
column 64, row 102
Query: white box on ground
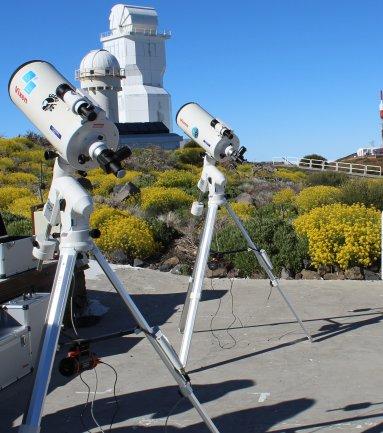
column 15, row 357
column 30, row 311
column 16, row 255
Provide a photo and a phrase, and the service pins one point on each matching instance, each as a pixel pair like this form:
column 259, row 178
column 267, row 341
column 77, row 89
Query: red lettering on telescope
column 182, row 121
column 20, row 95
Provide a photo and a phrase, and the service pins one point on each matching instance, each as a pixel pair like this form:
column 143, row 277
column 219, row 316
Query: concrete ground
column 262, row 377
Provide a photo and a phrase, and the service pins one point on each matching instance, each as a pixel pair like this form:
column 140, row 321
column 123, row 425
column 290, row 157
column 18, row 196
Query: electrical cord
column 85, row 405
column 227, row 329
column 173, row 408
column 114, row 394
column 93, row 400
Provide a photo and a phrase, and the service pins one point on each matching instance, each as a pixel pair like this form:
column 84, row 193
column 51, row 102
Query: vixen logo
column 20, row 95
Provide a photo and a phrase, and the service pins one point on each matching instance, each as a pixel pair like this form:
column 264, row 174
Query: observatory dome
column 100, row 62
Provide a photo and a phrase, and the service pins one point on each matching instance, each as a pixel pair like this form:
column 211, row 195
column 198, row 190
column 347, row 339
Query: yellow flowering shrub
column 8, row 146
column 102, row 213
column 245, row 211
column 245, row 169
column 19, row 179
column 6, row 163
column 103, row 183
column 291, row 175
column 22, row 206
column 315, row 196
column 8, row 194
column 34, row 155
column 177, row 178
column 158, row 199
column 342, row 235
column 284, row 196
column 122, row 231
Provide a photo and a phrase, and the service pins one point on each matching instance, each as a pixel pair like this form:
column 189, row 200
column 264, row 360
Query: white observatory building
column 140, row 49
column 126, row 78
column 100, row 77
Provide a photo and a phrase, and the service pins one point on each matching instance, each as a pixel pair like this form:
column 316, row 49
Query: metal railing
column 137, row 31
column 95, row 72
column 334, row 166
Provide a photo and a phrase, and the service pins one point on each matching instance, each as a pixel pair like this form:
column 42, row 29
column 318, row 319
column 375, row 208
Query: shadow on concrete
column 160, row 401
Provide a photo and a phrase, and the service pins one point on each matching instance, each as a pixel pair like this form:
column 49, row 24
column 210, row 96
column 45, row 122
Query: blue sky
column 290, row 76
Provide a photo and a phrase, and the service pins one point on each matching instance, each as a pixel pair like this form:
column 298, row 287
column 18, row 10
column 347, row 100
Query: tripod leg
column 55, row 313
column 158, row 340
column 274, row 281
column 186, row 306
column 189, row 312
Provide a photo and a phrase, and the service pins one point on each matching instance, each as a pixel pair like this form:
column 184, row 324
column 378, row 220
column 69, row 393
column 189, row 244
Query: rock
column 310, row 275
column 375, row 267
column 244, row 198
column 354, row 273
column 371, row 276
column 219, row 272
column 138, row 263
column 164, row 267
column 298, row 276
column 334, row 276
column 324, row 269
column 285, row 274
column 125, row 191
column 179, row 269
column 118, row 256
column 257, row 276
column 172, row 261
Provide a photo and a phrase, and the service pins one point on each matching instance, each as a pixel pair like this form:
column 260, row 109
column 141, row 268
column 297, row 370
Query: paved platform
column 263, row 378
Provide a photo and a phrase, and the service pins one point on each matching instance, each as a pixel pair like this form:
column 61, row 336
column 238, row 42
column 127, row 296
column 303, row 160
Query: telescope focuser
column 110, row 161
column 77, row 103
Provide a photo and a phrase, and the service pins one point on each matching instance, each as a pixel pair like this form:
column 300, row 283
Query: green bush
column 271, row 230
column 364, row 191
column 162, row 233
column 189, row 155
column 22, row 227
column 326, row 178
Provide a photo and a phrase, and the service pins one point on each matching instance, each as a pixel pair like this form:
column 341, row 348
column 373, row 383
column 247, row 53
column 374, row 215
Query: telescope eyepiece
column 110, row 161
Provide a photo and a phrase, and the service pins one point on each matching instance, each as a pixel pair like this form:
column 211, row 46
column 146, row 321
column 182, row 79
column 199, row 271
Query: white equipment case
column 16, row 255
column 29, row 311
column 15, row 357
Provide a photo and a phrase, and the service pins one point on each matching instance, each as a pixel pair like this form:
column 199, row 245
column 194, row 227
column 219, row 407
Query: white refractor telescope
column 77, row 128
column 218, row 140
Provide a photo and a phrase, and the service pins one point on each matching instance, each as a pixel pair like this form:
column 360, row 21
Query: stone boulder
column 310, row 275
column 354, row 273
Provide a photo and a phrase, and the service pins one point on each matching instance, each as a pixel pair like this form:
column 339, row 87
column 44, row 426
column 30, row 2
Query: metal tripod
column 214, row 182
column 71, row 205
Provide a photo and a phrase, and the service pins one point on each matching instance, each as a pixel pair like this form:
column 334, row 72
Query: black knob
column 94, row 233
column 82, row 159
column 35, row 243
column 50, row 154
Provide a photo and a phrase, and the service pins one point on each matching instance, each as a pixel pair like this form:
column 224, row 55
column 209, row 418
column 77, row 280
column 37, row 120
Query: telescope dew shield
column 64, row 116
column 213, row 136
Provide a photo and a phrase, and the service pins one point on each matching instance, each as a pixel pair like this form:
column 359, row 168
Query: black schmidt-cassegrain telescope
column 83, row 137
column 219, row 143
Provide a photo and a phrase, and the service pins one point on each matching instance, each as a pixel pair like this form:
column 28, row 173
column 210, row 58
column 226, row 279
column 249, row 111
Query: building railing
column 334, row 166
column 136, row 30
column 94, row 72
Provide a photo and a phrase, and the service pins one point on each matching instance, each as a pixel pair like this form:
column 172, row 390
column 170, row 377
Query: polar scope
column 217, row 139
column 77, row 128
